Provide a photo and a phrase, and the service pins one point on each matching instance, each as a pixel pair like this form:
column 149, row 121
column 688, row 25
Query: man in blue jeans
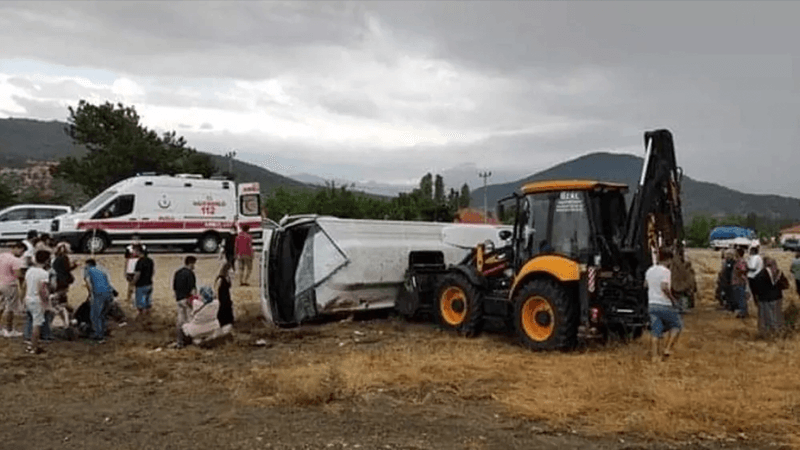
column 664, row 316
column 143, row 280
column 102, row 294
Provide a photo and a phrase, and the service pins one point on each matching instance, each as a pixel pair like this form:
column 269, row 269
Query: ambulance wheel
column 94, row 243
column 209, row 243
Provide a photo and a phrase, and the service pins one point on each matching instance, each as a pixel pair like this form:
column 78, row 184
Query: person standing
column 37, row 292
column 770, row 307
column 228, row 250
column 796, row 271
column 755, row 264
column 102, row 294
column 10, row 288
column 739, row 284
column 131, row 257
column 143, row 281
column 244, row 254
column 30, row 249
column 184, row 284
column 63, row 267
column 223, row 285
column 664, row 316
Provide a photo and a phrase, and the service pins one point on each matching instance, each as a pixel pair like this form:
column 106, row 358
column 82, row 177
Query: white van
column 184, row 210
column 16, row 221
column 313, row 266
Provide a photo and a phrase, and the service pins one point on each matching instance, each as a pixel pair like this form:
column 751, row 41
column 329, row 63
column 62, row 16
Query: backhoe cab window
column 534, row 231
column 560, row 224
column 610, row 215
column 570, row 232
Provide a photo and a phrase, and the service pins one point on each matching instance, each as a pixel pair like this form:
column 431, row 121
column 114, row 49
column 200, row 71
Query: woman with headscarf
column 770, row 302
column 223, row 284
column 202, row 324
column 63, row 267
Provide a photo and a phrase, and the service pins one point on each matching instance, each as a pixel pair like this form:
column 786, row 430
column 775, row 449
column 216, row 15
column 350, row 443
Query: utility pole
column 485, row 175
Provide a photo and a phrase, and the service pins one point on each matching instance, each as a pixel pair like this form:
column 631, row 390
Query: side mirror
column 504, row 234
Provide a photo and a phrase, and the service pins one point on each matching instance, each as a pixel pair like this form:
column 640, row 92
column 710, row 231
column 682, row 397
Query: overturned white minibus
column 313, row 266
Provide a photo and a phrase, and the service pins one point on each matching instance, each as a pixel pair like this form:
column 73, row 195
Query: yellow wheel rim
column 453, row 306
column 538, row 319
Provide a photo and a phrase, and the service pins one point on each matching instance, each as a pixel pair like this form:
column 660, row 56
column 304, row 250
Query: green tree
column 119, row 146
column 464, row 198
column 7, row 196
column 699, row 229
column 438, row 190
column 426, row 186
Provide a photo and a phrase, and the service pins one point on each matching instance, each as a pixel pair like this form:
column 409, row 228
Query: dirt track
column 307, row 388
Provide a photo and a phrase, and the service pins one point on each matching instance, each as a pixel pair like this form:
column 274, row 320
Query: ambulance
column 183, row 210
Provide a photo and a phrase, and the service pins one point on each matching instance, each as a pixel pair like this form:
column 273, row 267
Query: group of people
column 36, row 274
column 755, row 276
column 741, row 278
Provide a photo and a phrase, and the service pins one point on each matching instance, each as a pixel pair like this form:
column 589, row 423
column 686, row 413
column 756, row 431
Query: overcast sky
column 386, row 91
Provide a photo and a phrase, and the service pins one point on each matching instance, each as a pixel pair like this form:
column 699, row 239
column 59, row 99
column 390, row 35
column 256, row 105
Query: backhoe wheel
column 458, row 305
column 544, row 316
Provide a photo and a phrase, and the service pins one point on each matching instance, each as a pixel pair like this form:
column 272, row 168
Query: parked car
column 791, row 245
column 16, row 221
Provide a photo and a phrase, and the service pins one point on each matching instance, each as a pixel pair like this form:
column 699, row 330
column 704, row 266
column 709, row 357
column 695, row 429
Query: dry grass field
column 386, row 383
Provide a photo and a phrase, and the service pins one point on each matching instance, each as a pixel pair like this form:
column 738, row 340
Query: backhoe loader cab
column 575, row 264
column 565, row 218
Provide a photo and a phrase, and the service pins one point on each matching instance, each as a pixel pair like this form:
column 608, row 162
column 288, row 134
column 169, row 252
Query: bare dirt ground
column 382, row 383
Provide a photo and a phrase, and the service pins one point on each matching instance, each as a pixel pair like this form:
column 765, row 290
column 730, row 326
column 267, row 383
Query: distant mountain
column 25, row 139
column 370, row 187
column 698, row 197
column 308, row 178
column 22, row 140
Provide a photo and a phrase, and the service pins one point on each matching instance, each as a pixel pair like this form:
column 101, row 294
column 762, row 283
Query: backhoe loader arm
column 655, row 218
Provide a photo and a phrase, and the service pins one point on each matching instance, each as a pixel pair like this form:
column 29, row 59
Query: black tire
column 545, row 318
column 209, row 243
column 407, row 303
column 98, row 241
column 458, row 305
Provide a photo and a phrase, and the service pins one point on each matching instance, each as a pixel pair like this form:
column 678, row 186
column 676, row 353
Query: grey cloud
column 722, row 76
column 248, row 40
column 22, row 83
column 565, row 35
column 351, row 104
column 69, row 89
column 206, row 126
column 41, row 108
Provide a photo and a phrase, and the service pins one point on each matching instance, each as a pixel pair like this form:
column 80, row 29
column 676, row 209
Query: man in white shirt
column 663, row 314
column 755, row 264
column 36, row 297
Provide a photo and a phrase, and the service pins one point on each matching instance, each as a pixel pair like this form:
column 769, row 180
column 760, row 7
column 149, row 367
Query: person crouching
column 202, row 325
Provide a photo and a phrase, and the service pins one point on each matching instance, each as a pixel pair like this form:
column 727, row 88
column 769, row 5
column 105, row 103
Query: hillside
column 698, row 197
column 22, row 140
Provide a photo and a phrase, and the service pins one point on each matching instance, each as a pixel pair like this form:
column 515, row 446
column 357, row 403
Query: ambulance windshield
column 97, row 201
